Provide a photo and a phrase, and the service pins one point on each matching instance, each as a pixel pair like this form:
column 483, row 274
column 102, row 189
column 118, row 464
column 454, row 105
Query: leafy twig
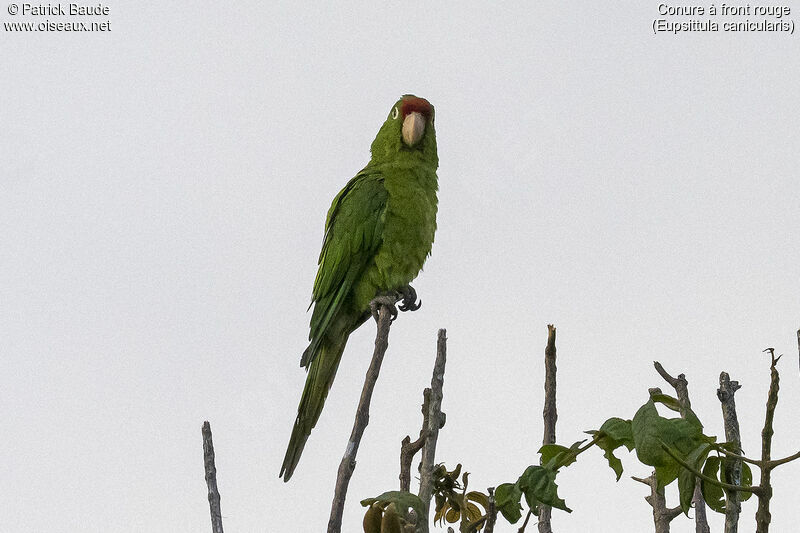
column 727, row 486
column 720, row 449
column 681, row 386
column 525, row 523
column 770, row 464
column 776, row 462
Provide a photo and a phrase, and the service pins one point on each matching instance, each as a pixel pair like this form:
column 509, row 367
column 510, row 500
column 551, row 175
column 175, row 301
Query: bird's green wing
column 353, row 234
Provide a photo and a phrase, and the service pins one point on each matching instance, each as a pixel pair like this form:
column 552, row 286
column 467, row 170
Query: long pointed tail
column 320, row 377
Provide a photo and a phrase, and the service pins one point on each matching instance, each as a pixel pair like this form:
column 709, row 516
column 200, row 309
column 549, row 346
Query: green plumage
column 378, row 233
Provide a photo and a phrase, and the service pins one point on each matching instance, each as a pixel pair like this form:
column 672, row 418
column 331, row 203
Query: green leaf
column 713, row 494
column 538, row 484
column 651, row 431
column 555, row 456
column 401, row 499
column 692, row 419
column 667, row 401
column 614, row 432
column 506, row 497
column 747, row 479
column 551, row 452
column 666, row 474
column 686, row 479
column 614, row 462
column 619, row 431
column 647, row 427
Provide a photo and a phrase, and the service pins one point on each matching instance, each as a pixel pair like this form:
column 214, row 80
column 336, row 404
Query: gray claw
column 409, row 299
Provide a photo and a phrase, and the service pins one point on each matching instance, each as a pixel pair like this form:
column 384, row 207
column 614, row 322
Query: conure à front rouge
column 378, row 233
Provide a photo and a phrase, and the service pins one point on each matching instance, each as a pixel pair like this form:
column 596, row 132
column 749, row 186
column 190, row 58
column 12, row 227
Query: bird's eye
column 395, row 113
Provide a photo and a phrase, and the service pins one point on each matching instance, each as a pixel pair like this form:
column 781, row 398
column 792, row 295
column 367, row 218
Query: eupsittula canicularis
column 378, row 233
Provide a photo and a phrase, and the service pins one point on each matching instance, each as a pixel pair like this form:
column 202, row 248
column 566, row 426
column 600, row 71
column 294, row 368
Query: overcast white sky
column 162, row 200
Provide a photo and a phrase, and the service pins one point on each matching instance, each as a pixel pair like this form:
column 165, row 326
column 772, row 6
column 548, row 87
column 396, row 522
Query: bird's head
column 408, row 131
column 415, row 114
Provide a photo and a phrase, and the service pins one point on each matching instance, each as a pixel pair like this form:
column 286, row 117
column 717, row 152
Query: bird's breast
column 409, row 228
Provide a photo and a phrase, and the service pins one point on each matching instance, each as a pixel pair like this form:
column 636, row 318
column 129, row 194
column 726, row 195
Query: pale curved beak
column 413, row 128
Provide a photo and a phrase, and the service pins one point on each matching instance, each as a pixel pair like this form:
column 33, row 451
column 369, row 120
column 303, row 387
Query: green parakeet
column 378, row 233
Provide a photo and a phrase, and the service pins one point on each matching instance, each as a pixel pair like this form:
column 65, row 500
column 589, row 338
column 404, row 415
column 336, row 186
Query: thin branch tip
column 211, row 479
column 348, row 463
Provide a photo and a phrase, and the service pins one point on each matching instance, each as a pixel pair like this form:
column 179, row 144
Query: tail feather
column 320, row 377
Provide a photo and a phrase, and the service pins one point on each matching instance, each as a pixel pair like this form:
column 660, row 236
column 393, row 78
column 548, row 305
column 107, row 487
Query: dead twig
column 211, row 479
column 348, row 464
column 435, row 422
column 733, row 468
column 408, row 449
column 549, row 413
column 662, row 515
column 763, row 516
column 491, row 512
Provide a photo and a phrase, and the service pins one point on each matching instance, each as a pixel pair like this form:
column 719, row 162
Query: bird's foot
column 407, row 297
column 388, row 300
column 408, row 301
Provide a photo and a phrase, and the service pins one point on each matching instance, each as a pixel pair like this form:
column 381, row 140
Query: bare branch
column 408, row 449
column 211, row 479
column 550, row 414
column 491, row 512
column 680, row 385
column 733, row 469
column 673, row 512
column 700, row 518
column 763, row 516
column 662, row 515
column 348, row 464
column 435, row 422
